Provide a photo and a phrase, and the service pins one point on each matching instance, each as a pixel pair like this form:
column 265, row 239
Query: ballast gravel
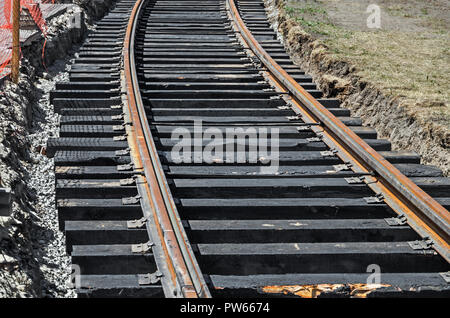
column 33, row 259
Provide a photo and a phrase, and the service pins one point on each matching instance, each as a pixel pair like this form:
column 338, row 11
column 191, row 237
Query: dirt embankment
column 94, row 9
column 33, row 262
column 392, row 115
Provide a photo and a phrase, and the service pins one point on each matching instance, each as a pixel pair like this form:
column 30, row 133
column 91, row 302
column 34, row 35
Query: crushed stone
column 33, row 260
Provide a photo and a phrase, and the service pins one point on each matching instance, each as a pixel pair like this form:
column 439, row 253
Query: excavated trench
column 33, row 261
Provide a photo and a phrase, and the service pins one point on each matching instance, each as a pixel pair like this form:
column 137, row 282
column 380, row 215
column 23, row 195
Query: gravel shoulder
column 32, row 252
column 395, row 77
column 33, row 260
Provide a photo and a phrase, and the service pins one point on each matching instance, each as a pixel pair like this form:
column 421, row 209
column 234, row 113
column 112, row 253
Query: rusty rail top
column 186, row 277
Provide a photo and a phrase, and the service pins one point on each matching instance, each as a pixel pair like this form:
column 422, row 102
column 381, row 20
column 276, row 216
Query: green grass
column 311, row 18
column 312, row 10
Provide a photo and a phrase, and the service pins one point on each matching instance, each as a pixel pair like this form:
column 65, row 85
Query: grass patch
column 313, row 18
column 412, row 65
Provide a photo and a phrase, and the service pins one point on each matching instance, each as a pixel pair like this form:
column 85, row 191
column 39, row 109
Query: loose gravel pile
column 33, row 261
column 53, row 262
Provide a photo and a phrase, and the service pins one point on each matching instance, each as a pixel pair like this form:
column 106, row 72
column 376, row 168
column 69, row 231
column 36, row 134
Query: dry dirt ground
column 407, row 60
column 409, row 56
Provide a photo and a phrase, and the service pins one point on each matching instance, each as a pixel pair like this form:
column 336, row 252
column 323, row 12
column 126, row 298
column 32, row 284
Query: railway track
column 319, row 211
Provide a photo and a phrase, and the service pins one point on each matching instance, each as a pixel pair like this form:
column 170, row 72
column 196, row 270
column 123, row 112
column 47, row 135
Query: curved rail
column 186, row 278
column 424, row 214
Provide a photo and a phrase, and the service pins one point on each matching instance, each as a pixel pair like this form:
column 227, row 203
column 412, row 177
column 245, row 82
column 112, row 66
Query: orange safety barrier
column 6, row 28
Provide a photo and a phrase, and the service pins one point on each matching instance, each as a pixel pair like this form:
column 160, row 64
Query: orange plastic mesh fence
column 6, row 28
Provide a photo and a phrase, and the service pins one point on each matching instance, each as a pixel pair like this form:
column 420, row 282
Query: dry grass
column 410, row 58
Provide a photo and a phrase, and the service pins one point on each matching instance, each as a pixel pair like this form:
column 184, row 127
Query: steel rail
column 185, row 272
column 424, row 214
